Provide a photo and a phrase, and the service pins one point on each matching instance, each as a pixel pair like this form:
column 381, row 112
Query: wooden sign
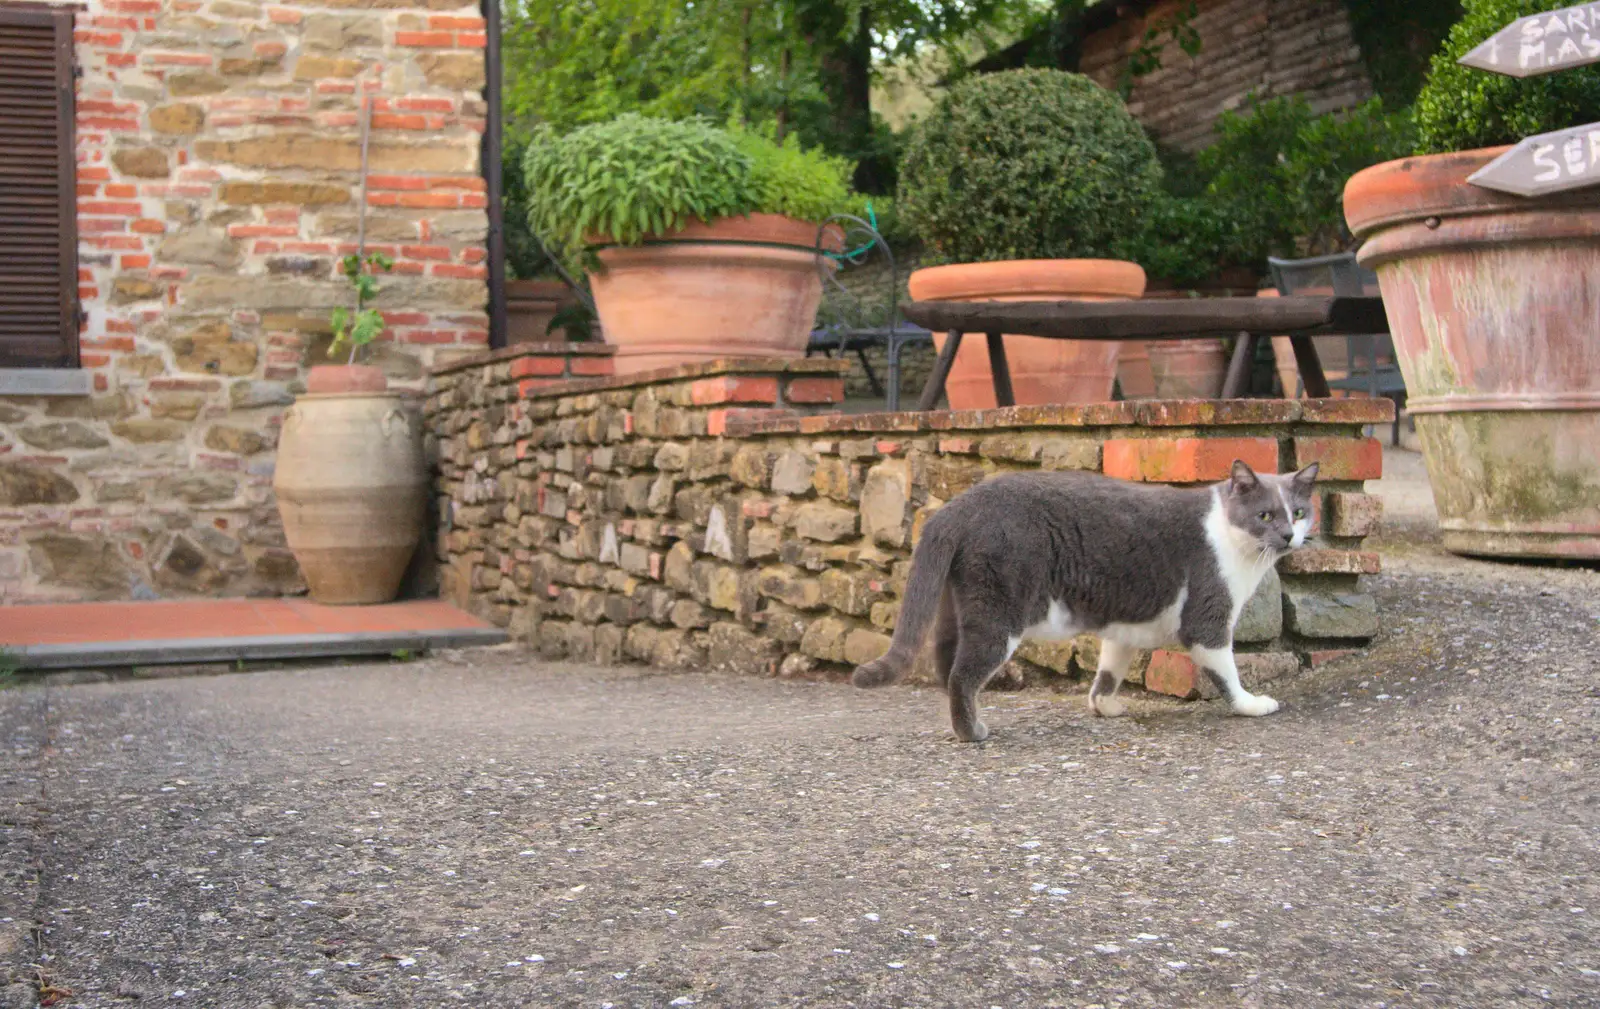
column 1547, row 163
column 1541, row 43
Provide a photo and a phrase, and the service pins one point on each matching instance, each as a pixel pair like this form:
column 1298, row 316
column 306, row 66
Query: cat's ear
column 1243, row 479
column 1305, row 478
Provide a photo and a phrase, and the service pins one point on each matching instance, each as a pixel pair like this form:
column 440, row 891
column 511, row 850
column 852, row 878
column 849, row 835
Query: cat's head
column 1274, row 510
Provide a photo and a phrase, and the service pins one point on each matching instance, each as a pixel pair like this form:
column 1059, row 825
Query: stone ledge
column 1134, row 413
column 45, row 382
column 709, row 369
column 524, row 350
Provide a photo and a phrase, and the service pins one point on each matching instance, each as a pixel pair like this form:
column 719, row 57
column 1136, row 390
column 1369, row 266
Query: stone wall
column 1268, row 47
column 218, row 160
column 695, row 517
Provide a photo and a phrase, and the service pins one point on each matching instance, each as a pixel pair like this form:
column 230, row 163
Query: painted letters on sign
column 1541, row 43
column 1548, row 163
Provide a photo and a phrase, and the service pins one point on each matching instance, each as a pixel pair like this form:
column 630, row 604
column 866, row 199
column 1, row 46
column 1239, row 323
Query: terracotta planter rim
column 1116, row 278
column 1435, row 186
column 751, row 229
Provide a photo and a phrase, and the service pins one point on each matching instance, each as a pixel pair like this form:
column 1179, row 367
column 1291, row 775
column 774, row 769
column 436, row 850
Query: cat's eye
column 1265, row 516
column 1299, row 513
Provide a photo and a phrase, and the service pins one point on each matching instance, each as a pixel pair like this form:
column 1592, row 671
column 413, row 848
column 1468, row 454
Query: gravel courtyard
column 1417, row 827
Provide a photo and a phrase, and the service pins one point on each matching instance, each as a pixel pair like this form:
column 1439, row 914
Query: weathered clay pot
column 1042, row 370
column 530, row 305
column 330, row 379
column 1134, row 377
column 1492, row 304
column 1188, row 369
column 738, row 287
column 351, row 487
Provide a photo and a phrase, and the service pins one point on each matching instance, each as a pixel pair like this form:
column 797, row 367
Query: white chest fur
column 1239, row 556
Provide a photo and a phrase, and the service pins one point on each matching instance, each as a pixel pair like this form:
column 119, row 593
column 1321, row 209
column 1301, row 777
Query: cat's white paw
column 1108, row 706
column 980, row 732
column 1255, row 705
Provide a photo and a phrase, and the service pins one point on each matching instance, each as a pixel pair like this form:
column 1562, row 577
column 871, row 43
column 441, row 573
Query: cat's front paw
column 1254, row 705
column 976, row 734
column 1107, row 706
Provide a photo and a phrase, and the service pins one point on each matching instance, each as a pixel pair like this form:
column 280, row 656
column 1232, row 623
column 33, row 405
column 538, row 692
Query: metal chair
column 1373, row 353
column 850, row 322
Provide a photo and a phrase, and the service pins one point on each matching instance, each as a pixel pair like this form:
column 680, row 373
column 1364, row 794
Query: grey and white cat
column 1054, row 555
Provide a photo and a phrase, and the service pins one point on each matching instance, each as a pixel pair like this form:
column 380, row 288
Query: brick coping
column 550, row 349
column 707, row 369
column 1136, row 413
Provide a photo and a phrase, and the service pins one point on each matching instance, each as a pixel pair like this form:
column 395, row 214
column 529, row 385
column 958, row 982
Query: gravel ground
column 1417, row 827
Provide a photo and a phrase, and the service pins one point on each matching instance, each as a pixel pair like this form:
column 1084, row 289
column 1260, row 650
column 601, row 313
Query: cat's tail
column 930, row 563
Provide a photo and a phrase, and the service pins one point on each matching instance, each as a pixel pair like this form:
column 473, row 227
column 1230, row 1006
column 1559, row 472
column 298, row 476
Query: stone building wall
column 1268, row 47
column 218, row 185
column 695, row 517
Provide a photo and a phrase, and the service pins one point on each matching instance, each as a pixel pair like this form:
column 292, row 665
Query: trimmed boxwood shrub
column 1461, row 108
column 1028, row 164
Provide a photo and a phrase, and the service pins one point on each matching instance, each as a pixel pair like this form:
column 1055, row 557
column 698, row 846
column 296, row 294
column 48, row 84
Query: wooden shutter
column 38, row 192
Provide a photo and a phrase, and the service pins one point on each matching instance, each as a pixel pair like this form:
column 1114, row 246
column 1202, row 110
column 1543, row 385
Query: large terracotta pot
column 351, row 487
column 1042, row 370
column 1134, row 376
column 738, row 287
column 530, row 305
column 1493, row 306
column 1188, row 369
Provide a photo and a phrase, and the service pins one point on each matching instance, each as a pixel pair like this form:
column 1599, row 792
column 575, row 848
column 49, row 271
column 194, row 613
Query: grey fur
column 991, row 562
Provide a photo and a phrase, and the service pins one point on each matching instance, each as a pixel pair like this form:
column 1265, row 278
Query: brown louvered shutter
column 38, row 194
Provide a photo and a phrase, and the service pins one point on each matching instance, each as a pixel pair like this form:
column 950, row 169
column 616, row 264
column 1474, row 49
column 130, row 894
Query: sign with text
column 1541, row 43
column 1547, row 163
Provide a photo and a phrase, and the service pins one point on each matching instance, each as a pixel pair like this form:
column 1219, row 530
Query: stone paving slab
column 1417, row 827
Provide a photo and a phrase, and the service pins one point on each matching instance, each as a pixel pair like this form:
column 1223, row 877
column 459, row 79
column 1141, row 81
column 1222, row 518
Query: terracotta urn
column 1492, row 304
column 530, row 305
column 737, row 287
column 1042, row 370
column 1188, row 369
column 351, row 485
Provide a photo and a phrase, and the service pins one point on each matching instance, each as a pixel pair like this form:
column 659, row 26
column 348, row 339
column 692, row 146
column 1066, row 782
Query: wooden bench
column 1250, row 319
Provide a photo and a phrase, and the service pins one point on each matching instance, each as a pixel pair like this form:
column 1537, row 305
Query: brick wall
column 218, row 185
column 698, row 517
column 1269, row 47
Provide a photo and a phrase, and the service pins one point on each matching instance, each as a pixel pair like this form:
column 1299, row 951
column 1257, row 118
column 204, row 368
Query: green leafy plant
column 1188, row 239
column 807, row 185
column 1279, row 170
column 356, row 330
column 631, row 178
column 1027, row 164
column 1461, row 108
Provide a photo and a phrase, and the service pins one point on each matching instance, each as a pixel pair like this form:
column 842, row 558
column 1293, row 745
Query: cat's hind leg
column 946, row 636
column 983, row 647
column 1115, row 658
column 1219, row 667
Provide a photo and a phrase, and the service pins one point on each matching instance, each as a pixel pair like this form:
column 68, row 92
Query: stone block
column 1314, row 614
column 787, row 585
column 687, row 613
column 763, row 542
column 90, row 563
column 752, row 467
column 1341, row 458
column 54, row 437
column 851, row 592
column 1070, row 452
column 1172, row 673
column 142, row 162
column 1352, row 514
column 825, row 639
column 862, row 645
column 678, row 570
column 835, row 478
column 182, row 118
column 1329, row 562
column 1262, row 616
column 884, row 496
column 824, row 523
column 792, row 473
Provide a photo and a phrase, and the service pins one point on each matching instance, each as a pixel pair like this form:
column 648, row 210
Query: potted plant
column 700, row 241
column 350, row 479
column 1026, row 183
column 1492, row 304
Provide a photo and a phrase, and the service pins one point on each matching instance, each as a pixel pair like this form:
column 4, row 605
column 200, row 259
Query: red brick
column 121, row 191
column 425, row 252
column 424, row 39
column 460, row 272
column 1325, row 656
column 1341, row 458
column 120, row 208
column 957, row 446
column 453, row 22
column 135, row 262
column 94, row 360
column 1329, row 562
column 1352, row 514
column 472, row 40
column 146, row 226
column 1172, row 673
column 263, row 231
column 814, row 390
column 527, row 367
column 527, row 385
column 1186, row 460
column 591, row 366
column 888, row 447
column 395, row 121
column 121, row 60
column 734, row 389
column 284, row 15
column 91, row 173
column 474, row 201
column 425, row 105
column 177, row 59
